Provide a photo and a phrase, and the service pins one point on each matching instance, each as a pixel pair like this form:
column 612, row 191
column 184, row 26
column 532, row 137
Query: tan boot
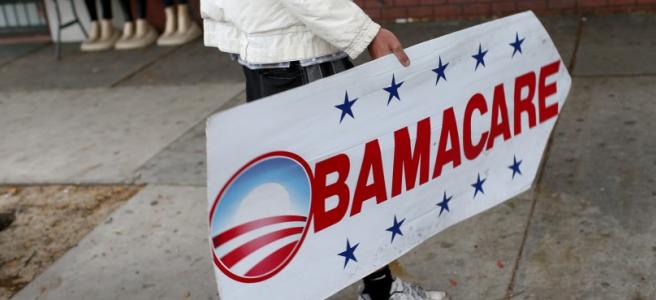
column 128, row 33
column 187, row 30
column 144, row 37
column 108, row 37
column 169, row 27
column 94, row 35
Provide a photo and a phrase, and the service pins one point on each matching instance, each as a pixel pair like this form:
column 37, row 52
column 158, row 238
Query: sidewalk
column 123, row 118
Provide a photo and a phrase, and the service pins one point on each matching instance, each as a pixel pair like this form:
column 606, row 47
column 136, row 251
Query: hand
column 385, row 43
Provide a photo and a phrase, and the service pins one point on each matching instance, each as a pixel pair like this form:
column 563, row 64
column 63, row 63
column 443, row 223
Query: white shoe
column 143, row 37
column 170, row 27
column 107, row 39
column 402, row 290
column 94, row 35
column 186, row 29
column 191, row 33
column 127, row 33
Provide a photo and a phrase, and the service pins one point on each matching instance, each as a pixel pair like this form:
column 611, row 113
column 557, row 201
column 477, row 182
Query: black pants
column 93, row 9
column 168, row 3
column 266, row 82
column 127, row 9
column 107, row 9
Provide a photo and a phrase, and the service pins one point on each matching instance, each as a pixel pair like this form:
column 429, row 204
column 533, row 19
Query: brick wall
column 458, row 9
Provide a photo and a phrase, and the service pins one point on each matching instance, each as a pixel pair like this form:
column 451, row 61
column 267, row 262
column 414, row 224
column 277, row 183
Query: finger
column 380, row 52
column 401, row 56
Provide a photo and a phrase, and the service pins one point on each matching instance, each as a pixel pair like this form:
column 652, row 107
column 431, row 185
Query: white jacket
column 272, row 31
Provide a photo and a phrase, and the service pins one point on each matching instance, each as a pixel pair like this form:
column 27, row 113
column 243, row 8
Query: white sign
column 312, row 189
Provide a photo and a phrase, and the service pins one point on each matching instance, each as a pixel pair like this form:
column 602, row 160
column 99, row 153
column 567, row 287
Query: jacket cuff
column 363, row 38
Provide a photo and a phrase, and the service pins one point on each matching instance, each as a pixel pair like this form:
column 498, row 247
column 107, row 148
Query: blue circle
column 281, row 170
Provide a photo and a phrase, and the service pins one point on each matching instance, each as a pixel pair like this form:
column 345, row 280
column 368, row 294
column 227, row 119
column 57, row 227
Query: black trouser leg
column 141, row 9
column 167, row 3
column 125, row 5
column 106, row 9
column 378, row 284
column 93, row 10
column 266, row 82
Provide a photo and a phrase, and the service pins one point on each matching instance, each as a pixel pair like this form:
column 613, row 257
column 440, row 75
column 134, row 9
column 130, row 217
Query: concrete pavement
column 155, row 247
column 40, row 70
column 97, row 135
column 9, row 53
column 623, row 46
column 585, row 231
column 183, row 161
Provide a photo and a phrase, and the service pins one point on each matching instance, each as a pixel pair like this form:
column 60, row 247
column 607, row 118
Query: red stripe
column 244, row 250
column 236, row 231
column 271, row 261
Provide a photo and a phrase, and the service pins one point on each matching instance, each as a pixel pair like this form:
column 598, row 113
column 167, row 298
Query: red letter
column 449, row 133
column 371, row 163
column 476, row 102
column 525, row 104
column 499, row 109
column 322, row 191
column 409, row 162
column 544, row 91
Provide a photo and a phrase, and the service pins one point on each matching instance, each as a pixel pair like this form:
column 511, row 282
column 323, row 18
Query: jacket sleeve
column 339, row 22
column 212, row 9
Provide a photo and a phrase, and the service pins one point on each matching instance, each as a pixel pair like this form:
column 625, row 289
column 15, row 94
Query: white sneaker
column 144, row 35
column 107, row 39
column 402, row 290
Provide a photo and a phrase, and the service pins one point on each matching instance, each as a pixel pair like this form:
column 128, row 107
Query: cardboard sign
column 312, row 189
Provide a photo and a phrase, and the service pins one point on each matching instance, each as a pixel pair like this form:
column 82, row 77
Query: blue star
column 517, row 45
column 346, row 107
column 444, row 205
column 480, row 57
column 349, row 253
column 440, row 70
column 393, row 90
column 396, row 228
column 478, row 185
column 515, row 167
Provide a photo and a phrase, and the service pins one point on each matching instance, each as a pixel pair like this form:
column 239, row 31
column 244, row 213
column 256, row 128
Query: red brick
column 562, row 4
column 374, row 13
column 620, row 2
column 377, row 3
column 406, row 2
column 392, row 13
column 591, row 3
column 450, row 9
column 431, row 2
column 603, row 10
column 420, row 12
column 534, row 5
column 503, row 8
column 447, row 11
column 476, row 9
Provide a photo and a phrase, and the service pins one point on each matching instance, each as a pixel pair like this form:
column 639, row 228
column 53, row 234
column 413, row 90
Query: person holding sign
column 284, row 44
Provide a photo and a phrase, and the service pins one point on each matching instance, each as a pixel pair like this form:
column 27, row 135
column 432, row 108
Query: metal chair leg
column 59, row 29
column 77, row 19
